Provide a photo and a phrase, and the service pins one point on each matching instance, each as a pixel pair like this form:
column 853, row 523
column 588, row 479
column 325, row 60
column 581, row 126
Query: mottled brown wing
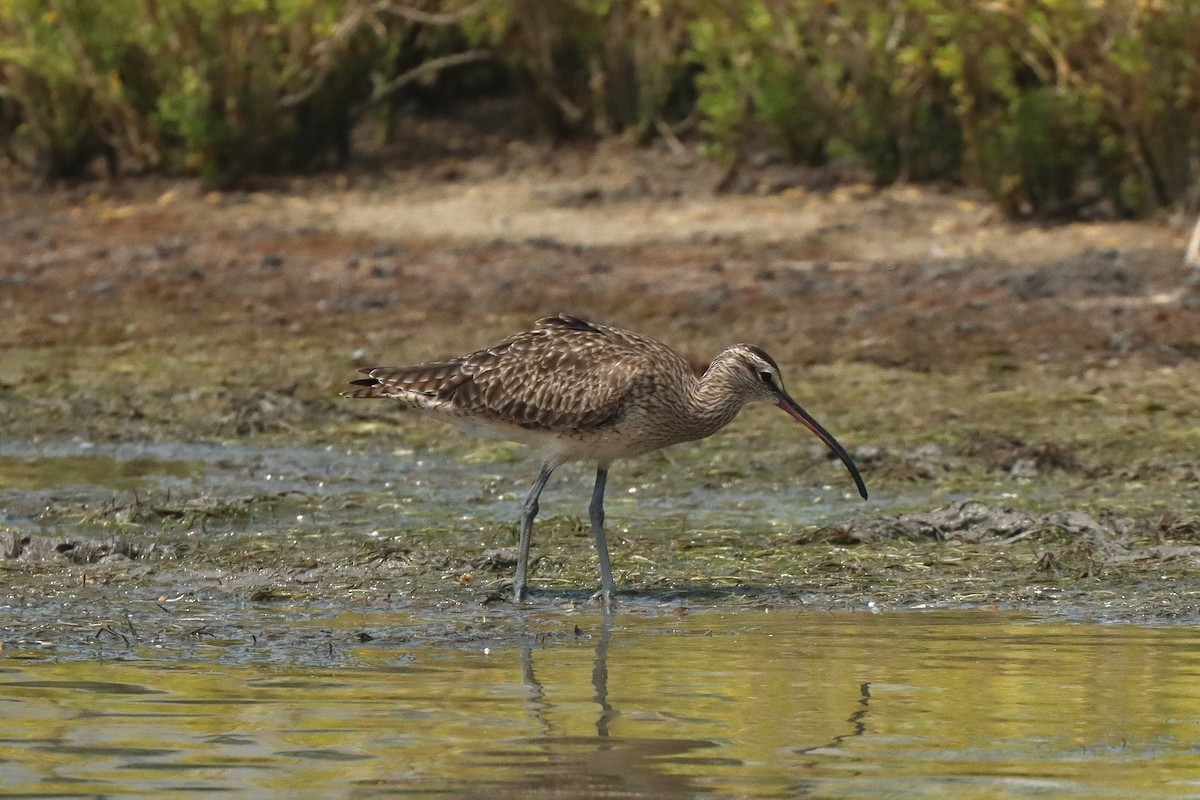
column 564, row 374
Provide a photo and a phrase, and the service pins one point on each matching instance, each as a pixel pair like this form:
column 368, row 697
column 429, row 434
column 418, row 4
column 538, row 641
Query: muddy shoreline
column 1020, row 399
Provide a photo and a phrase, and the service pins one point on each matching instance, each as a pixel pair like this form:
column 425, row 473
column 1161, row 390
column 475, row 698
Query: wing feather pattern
column 564, row 374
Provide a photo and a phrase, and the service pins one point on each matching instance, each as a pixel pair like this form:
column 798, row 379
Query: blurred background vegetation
column 1051, row 106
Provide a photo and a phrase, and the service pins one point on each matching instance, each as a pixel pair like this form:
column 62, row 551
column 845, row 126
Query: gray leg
column 528, row 511
column 608, row 587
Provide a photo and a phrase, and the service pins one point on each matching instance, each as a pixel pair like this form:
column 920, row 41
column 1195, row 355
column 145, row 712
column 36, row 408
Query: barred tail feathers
column 431, row 380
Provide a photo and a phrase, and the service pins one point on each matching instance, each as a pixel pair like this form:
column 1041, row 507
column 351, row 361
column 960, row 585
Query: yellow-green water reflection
column 750, row 704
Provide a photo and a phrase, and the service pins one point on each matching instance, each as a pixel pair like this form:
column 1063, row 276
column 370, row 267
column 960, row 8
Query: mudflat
column 1019, row 396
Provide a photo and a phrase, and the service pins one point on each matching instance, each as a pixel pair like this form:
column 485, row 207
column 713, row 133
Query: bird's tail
column 367, row 388
column 430, row 380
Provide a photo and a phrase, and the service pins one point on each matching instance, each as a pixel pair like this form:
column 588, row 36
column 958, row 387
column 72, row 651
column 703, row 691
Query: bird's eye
column 766, row 377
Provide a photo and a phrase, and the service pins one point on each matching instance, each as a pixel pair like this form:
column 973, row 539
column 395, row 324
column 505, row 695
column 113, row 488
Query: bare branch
column 369, row 16
column 325, row 51
column 1191, row 256
column 673, row 144
column 430, row 67
column 427, row 17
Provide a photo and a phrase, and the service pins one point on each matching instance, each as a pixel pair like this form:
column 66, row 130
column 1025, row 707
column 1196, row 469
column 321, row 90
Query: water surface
column 780, row 703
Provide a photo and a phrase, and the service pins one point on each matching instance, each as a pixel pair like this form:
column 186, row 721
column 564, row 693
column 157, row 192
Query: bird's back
column 564, row 377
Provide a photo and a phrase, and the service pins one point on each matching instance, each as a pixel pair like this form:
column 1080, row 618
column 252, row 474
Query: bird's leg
column 528, row 511
column 608, row 587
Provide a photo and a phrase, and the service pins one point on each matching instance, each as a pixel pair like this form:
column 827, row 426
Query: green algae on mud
column 276, row 600
column 944, row 433
column 416, row 516
column 947, row 379
column 426, row 532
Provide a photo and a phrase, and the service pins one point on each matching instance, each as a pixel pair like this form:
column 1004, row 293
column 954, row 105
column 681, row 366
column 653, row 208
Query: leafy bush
column 1051, row 106
column 246, row 87
column 596, row 66
column 851, row 80
column 64, row 100
column 212, row 87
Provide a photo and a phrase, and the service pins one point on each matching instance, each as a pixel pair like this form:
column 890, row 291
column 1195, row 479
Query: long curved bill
column 792, row 407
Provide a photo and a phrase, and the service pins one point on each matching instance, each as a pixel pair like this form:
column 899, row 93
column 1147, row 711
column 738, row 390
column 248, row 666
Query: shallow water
column 415, row 490
column 32, row 473
column 713, row 704
column 183, row 678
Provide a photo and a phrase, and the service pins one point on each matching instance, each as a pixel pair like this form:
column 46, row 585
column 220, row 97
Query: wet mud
column 176, row 467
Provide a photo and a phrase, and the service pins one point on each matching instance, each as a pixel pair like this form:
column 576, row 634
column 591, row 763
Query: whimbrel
column 576, row 390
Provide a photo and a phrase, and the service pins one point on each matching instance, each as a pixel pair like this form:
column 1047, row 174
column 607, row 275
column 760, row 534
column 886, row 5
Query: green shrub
column 64, row 95
column 246, row 87
column 218, row 88
column 850, row 80
column 595, row 66
column 1052, row 106
column 1049, row 105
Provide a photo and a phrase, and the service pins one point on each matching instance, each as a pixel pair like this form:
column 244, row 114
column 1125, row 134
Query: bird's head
column 754, row 375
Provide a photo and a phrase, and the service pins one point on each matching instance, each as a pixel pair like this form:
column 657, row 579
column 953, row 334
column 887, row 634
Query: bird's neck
column 714, row 402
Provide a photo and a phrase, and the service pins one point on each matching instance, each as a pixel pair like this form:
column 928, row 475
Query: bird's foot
column 606, row 599
column 520, row 595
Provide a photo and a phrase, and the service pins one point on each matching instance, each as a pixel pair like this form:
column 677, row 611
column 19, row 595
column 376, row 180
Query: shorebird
column 577, row 390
